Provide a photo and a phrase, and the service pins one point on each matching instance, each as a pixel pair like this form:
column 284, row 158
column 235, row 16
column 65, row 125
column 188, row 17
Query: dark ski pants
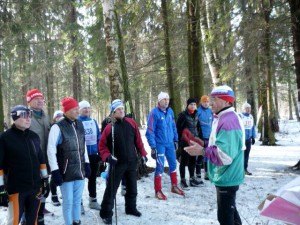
column 189, row 161
column 247, row 153
column 28, row 202
column 227, row 212
column 53, row 187
column 94, row 164
column 116, row 173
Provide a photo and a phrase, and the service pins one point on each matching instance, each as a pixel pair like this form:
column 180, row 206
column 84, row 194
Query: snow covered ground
column 270, row 167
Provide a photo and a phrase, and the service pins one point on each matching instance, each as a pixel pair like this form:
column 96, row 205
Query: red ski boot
column 160, row 195
column 176, row 190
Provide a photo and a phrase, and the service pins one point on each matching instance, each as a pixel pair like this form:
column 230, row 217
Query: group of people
column 70, row 149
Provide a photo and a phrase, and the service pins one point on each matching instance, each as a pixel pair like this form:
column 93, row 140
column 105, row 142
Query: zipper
column 32, row 181
column 78, row 150
column 66, row 165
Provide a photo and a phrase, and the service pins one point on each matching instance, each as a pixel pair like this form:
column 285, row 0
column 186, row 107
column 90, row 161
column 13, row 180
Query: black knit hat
column 191, row 100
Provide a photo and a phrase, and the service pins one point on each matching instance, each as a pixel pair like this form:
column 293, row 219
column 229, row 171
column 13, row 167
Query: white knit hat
column 84, row 104
column 57, row 113
column 246, row 105
column 162, row 95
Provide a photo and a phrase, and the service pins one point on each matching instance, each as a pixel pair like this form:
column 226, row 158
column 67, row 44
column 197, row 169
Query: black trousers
column 227, row 212
column 116, row 173
column 247, row 153
column 189, row 161
column 94, row 164
column 28, row 202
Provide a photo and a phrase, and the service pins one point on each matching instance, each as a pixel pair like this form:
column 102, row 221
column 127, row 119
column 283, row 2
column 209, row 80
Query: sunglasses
column 22, row 114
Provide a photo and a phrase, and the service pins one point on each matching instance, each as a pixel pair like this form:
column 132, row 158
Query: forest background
column 133, row 49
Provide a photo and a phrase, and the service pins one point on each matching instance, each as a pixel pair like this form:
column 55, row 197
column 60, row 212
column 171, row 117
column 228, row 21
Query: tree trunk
column 76, row 64
column 207, row 9
column 197, row 62
column 125, row 83
column 267, row 91
column 290, row 97
column 175, row 95
column 296, row 106
column 189, row 48
column 113, row 74
column 295, row 18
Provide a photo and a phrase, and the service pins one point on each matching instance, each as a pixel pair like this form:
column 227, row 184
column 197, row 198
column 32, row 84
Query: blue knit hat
column 223, row 92
column 117, row 103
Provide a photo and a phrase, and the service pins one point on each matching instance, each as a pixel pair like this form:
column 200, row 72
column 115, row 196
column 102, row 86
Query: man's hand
column 253, row 141
column 45, row 187
column 194, row 149
column 111, row 160
column 3, row 196
column 153, row 153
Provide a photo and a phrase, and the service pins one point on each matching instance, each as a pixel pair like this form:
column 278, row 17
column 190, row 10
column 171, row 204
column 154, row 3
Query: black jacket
column 189, row 121
column 70, row 153
column 21, row 158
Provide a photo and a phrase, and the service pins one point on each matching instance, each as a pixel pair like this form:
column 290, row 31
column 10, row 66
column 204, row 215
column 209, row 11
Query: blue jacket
column 248, row 122
column 161, row 127
column 92, row 134
column 205, row 116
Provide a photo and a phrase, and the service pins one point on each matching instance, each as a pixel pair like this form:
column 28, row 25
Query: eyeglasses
column 22, row 113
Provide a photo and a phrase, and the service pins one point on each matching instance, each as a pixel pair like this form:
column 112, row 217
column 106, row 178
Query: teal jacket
column 225, row 149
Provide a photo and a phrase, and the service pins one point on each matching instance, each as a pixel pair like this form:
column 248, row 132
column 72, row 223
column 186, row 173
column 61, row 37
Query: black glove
column 253, row 141
column 57, row 177
column 111, row 160
column 145, row 160
column 87, row 170
column 3, row 196
column 45, row 187
column 153, row 153
column 176, row 145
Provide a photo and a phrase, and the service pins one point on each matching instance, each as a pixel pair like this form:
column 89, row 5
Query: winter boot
column 160, row 195
column 183, row 183
column 134, row 212
column 93, row 204
column 77, row 222
column 176, row 190
column 195, row 182
column 107, row 220
column 247, row 172
column 55, row 201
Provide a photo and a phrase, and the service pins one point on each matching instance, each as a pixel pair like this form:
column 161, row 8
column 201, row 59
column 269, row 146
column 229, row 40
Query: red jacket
column 127, row 139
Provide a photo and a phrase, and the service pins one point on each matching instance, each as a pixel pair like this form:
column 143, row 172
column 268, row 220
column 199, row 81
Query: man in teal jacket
column 225, row 154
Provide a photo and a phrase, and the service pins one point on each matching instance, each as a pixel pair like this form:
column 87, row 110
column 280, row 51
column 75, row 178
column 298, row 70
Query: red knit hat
column 32, row 94
column 68, row 103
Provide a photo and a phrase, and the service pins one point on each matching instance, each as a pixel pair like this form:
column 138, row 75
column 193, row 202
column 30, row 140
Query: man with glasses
column 23, row 165
column 40, row 124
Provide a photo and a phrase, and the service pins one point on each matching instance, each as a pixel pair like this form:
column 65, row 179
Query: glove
column 253, row 141
column 87, row 170
column 57, row 177
column 3, row 196
column 176, row 145
column 153, row 153
column 111, row 160
column 45, row 187
column 145, row 160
